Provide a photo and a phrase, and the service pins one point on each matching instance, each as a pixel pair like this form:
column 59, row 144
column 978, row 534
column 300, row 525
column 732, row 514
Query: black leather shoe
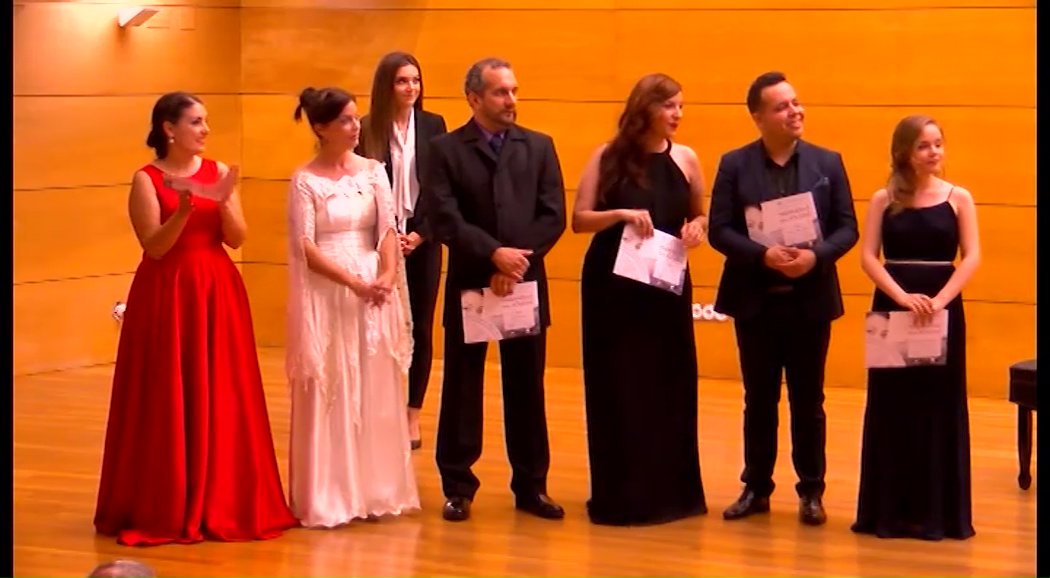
column 811, row 511
column 748, row 503
column 540, row 505
column 456, row 509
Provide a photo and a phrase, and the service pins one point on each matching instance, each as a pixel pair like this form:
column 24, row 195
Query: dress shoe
column 540, row 505
column 748, row 503
column 811, row 511
column 457, row 509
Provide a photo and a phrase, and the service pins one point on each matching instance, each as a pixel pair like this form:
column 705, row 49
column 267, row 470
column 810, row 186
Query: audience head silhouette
column 122, row 569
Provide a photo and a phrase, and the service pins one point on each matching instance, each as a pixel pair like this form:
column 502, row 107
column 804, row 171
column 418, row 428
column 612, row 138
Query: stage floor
column 59, row 427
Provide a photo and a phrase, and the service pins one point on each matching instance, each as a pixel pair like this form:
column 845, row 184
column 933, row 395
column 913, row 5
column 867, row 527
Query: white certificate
column 896, row 339
column 790, row 221
column 659, row 261
column 488, row 317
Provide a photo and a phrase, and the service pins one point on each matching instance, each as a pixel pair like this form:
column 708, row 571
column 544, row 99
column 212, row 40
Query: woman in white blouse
column 397, row 132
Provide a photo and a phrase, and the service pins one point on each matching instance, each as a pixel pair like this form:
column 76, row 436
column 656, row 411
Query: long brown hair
column 379, row 126
column 625, row 157
column 901, row 183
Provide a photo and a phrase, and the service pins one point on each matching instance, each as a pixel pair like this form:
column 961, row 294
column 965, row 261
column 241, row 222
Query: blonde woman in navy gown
column 915, row 459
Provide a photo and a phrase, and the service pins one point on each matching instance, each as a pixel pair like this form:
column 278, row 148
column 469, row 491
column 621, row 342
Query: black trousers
column 423, row 269
column 459, row 436
column 777, row 342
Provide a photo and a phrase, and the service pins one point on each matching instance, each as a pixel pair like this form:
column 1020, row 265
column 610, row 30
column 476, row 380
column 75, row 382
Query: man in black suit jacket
column 782, row 299
column 497, row 200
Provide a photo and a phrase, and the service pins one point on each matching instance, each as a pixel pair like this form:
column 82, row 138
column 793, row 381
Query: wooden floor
column 59, row 422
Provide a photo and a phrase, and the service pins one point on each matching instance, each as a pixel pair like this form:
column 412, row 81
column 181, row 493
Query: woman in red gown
column 189, row 454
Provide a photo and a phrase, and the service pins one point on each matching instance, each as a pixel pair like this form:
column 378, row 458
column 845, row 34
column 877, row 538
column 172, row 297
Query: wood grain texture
column 437, row 37
column 54, row 240
column 872, row 51
column 872, row 54
column 77, row 232
column 77, row 48
column 66, row 323
column 48, row 129
column 988, row 355
column 55, row 479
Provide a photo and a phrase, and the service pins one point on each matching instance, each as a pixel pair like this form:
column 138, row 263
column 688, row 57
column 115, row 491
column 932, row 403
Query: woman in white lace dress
column 349, row 331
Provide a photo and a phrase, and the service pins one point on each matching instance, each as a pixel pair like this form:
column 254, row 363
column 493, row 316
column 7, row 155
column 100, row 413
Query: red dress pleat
column 189, row 454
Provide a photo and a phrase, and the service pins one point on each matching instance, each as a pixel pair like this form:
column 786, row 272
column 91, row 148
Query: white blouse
column 405, row 183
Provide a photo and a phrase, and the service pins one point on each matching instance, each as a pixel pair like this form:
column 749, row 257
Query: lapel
column 513, row 146
column 503, row 189
column 472, row 135
column 422, row 135
column 810, row 177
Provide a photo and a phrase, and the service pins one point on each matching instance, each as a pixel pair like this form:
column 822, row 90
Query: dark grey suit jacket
column 478, row 203
column 740, row 182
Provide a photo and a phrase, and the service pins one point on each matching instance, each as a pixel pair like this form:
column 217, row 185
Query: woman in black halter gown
column 639, row 355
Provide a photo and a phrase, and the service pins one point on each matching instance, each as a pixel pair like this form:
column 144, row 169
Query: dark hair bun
column 307, row 99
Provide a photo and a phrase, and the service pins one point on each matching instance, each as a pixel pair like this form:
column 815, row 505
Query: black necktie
column 496, row 142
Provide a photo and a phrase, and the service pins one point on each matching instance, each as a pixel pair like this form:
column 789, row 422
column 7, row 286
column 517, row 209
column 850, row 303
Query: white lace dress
column 350, row 454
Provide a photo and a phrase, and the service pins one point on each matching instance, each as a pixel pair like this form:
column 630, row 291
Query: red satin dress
column 189, row 454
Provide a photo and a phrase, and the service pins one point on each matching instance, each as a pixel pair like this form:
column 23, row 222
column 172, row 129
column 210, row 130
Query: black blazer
column 428, row 126
column 741, row 181
column 478, row 203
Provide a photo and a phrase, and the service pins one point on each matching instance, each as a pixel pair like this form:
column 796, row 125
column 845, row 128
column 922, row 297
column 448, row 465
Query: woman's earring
column 171, row 140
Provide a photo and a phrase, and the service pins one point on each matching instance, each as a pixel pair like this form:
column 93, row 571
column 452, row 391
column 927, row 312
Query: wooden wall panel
column 265, row 209
column 65, row 244
column 73, row 48
column 855, row 56
column 342, row 47
column 67, row 323
column 54, row 240
column 267, row 286
column 273, row 145
column 108, row 135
